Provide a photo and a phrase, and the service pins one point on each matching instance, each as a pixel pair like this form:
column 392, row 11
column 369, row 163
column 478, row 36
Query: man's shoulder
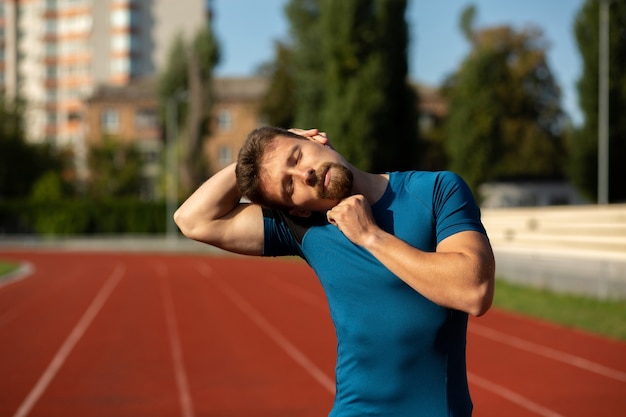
column 298, row 226
column 425, row 175
column 421, row 178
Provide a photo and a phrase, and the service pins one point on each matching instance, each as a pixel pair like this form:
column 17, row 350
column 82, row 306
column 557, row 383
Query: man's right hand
column 313, row 134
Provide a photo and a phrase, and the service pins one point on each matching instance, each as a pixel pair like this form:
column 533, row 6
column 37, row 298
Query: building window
column 225, row 156
column 110, row 121
column 120, row 18
column 73, row 116
column 52, row 118
column 120, row 42
column 224, row 120
column 52, row 72
column 145, row 118
column 120, row 65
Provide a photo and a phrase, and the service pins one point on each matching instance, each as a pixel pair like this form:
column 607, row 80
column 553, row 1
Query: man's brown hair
column 251, row 154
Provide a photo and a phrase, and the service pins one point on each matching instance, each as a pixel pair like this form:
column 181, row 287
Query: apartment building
column 53, row 54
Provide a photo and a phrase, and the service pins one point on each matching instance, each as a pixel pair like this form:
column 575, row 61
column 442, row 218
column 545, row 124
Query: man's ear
column 300, row 212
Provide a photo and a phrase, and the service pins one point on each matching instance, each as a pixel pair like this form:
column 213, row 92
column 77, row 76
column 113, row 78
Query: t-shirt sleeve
column 278, row 239
column 454, row 206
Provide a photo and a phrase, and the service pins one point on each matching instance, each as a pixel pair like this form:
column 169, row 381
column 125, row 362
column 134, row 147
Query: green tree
column 48, row 187
column 203, row 57
column 584, row 147
column 21, row 164
column 395, row 121
column 175, row 76
column 432, row 152
column 368, row 104
column 353, row 70
column 186, row 82
column 307, row 61
column 279, row 103
column 350, row 71
column 505, row 119
column 115, row 170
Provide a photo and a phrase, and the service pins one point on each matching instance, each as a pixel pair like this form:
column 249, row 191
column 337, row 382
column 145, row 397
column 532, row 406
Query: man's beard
column 340, row 185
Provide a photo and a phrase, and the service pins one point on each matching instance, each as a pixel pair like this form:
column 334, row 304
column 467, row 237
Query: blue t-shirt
column 398, row 353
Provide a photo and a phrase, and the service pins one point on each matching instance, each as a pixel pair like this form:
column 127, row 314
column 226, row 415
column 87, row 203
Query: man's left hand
column 353, row 216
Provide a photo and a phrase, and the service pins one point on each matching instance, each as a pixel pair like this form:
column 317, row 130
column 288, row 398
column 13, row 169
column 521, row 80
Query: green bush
column 82, row 217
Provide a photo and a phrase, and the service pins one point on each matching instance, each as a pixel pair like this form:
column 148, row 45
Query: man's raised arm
column 213, row 214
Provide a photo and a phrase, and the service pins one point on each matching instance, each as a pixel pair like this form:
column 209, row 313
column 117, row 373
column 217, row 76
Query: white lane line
column 547, row 352
column 68, row 345
column 255, row 316
column 511, row 396
column 184, row 396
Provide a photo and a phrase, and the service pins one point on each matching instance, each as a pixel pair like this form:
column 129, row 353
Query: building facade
column 129, row 113
column 53, row 54
column 235, row 114
column 132, row 114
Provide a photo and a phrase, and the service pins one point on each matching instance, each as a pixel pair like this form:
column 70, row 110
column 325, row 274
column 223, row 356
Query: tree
column 505, row 119
column 307, row 61
column 203, row 57
column 115, row 170
column 21, row 164
column 584, row 147
column 189, row 72
column 279, row 103
column 349, row 66
column 395, row 122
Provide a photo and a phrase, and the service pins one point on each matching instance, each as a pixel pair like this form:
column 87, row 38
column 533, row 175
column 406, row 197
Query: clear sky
column 247, row 30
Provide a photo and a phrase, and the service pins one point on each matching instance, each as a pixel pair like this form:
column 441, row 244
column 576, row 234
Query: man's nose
column 308, row 176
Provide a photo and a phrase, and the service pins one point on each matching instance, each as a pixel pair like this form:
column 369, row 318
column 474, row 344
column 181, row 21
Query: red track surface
column 191, row 335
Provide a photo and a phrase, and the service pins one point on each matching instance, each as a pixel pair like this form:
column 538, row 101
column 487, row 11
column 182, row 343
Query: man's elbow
column 481, row 305
column 184, row 223
column 482, row 298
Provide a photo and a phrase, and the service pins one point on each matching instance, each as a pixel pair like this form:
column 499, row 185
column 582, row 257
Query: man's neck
column 372, row 186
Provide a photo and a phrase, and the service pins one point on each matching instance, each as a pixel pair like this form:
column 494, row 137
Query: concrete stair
column 569, row 249
column 601, row 230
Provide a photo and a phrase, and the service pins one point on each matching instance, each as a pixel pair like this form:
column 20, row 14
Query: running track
column 112, row 334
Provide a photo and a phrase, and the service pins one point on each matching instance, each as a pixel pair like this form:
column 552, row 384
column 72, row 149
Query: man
column 403, row 259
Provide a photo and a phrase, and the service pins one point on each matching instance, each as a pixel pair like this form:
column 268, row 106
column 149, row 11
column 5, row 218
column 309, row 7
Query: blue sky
column 247, row 30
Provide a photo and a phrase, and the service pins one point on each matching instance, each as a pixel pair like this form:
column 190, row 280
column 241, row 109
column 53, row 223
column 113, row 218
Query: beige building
column 129, row 114
column 125, row 114
column 132, row 114
column 235, row 114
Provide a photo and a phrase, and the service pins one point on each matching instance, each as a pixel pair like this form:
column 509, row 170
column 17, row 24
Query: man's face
column 304, row 175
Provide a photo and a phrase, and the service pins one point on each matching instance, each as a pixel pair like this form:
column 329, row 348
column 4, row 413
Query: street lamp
column 603, row 104
column 171, row 163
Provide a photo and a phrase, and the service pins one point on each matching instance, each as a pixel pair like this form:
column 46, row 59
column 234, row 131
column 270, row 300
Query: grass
column 6, row 267
column 603, row 317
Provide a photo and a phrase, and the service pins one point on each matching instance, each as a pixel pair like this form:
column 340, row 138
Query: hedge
column 82, row 217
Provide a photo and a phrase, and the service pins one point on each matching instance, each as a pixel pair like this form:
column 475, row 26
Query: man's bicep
column 475, row 245
column 240, row 231
column 468, row 241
